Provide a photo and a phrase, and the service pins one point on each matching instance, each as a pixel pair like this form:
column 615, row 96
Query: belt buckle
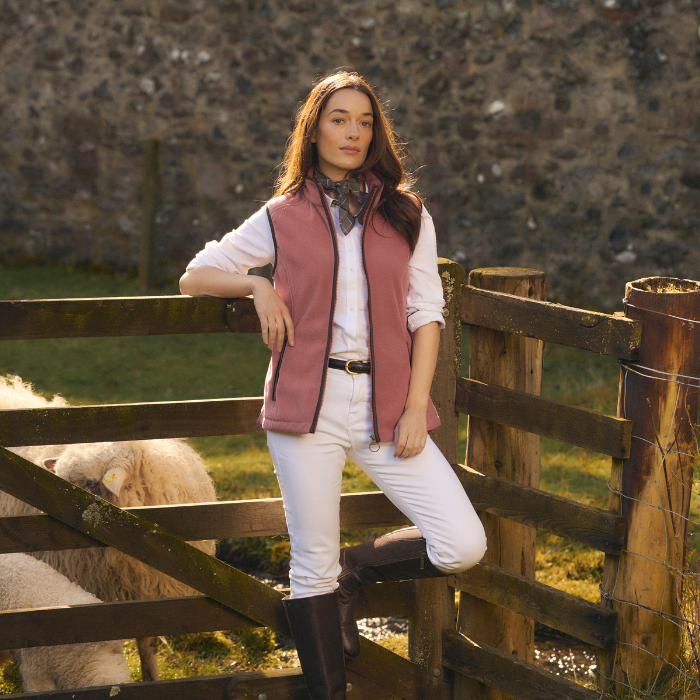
column 347, row 367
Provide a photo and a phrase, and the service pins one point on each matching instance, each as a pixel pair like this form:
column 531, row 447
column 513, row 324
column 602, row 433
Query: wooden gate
column 449, row 657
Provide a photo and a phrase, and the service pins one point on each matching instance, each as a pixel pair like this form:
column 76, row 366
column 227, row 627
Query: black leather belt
column 351, row 366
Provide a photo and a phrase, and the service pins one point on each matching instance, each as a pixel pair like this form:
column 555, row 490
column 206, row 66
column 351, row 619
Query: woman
column 353, row 322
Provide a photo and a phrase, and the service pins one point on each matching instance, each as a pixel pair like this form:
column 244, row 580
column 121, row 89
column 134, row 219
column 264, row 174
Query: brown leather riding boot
column 315, row 624
column 397, row 556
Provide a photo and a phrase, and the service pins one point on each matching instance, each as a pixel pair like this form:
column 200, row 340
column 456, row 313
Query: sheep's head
column 105, row 469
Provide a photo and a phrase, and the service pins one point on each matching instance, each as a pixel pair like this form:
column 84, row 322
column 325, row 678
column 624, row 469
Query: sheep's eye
column 91, row 483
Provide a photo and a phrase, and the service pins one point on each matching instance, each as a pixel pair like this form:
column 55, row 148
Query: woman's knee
column 462, row 554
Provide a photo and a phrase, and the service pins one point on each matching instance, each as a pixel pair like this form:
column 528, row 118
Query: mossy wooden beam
column 199, row 521
column 582, row 427
column 130, row 421
column 74, row 624
column 561, row 516
column 157, row 547
column 605, row 334
column 567, row 613
column 282, row 684
column 277, row 684
column 507, row 673
column 125, row 316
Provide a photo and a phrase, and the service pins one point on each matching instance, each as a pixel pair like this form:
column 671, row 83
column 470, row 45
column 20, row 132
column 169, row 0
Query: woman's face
column 344, row 133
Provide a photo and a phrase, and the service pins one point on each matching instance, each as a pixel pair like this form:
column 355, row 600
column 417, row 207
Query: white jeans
column 309, row 470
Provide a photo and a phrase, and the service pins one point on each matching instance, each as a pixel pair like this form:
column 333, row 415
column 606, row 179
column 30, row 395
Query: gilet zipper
column 375, row 425
column 336, row 263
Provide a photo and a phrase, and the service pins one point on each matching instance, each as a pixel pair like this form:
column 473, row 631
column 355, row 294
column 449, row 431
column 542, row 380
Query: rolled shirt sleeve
column 249, row 245
column 425, row 302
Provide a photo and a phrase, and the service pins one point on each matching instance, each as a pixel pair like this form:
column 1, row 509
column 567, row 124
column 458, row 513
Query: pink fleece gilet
column 305, row 274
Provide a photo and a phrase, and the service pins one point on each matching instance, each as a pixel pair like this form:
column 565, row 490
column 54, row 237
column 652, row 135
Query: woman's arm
column 272, row 311
column 411, row 431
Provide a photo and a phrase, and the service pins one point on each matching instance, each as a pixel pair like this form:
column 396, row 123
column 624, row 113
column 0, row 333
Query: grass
column 115, row 370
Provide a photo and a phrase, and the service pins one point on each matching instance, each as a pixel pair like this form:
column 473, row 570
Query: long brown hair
column 384, row 157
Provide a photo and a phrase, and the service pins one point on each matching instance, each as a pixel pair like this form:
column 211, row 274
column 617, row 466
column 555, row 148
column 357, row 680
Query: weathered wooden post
column 434, row 600
column 515, row 362
column 150, row 210
column 652, row 488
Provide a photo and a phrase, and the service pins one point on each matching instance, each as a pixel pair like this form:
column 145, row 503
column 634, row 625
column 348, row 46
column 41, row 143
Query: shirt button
column 351, row 308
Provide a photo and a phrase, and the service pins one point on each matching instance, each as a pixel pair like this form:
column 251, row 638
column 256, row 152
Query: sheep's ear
column 114, row 479
column 50, row 464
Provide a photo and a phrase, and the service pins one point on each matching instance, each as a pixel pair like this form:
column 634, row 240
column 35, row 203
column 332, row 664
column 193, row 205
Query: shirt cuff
column 421, row 318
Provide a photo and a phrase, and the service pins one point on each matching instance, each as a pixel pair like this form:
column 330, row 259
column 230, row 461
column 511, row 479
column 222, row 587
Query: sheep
column 14, row 394
column 140, row 473
column 137, row 473
column 26, row 582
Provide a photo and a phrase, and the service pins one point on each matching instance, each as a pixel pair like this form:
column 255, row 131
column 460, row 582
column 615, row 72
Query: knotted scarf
column 343, row 188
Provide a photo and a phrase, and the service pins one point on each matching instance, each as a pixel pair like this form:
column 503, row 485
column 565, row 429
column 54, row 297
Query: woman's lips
column 351, row 150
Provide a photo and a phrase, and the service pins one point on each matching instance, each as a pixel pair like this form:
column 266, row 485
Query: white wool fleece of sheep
column 16, row 394
column 137, row 473
column 26, row 583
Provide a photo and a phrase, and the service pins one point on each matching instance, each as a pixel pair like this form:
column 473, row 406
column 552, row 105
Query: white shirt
column 251, row 245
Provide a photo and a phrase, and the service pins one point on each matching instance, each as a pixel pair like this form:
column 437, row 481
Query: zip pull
column 372, row 443
column 422, row 562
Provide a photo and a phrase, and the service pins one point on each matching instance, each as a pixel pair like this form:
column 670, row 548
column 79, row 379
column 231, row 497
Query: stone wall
column 561, row 135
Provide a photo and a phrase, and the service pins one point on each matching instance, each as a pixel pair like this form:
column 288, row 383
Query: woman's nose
column 352, row 132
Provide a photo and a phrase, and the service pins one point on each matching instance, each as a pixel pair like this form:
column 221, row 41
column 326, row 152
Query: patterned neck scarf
column 343, row 188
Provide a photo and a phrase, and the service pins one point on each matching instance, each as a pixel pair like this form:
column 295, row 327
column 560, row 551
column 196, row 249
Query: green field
column 114, row 370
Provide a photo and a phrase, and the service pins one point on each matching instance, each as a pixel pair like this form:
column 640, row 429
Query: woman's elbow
column 184, row 284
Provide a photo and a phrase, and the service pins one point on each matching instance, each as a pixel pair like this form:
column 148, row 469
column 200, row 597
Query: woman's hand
column 274, row 316
column 411, row 433
column 272, row 311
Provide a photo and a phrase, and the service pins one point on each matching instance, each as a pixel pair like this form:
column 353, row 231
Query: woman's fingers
column 274, row 327
column 264, row 327
column 275, row 320
column 290, row 326
column 404, row 444
column 408, row 442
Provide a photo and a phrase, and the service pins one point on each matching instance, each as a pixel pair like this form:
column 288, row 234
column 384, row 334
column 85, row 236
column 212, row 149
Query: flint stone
column 629, row 151
column 668, row 253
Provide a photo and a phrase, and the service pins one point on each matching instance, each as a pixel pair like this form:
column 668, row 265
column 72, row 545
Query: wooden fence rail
column 508, row 674
column 589, row 622
column 75, row 624
column 130, row 421
column 604, row 334
column 125, row 316
column 560, row 516
column 577, row 426
column 285, row 684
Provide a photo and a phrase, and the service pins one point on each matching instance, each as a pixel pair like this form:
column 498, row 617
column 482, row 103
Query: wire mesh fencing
column 671, row 663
